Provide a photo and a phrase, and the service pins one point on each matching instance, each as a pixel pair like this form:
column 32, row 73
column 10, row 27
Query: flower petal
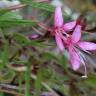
column 47, row 94
column 58, row 18
column 74, row 58
column 87, row 45
column 59, row 42
column 76, row 34
column 69, row 26
column 33, row 36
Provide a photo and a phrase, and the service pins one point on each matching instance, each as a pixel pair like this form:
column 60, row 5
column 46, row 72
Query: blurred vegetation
column 31, row 66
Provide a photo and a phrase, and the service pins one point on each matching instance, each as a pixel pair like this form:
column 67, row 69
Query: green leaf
column 9, row 23
column 61, row 60
column 20, row 62
column 42, row 6
column 27, row 79
column 50, row 56
column 36, row 43
column 1, row 94
column 25, row 41
column 3, row 11
column 20, row 38
column 4, row 56
column 10, row 15
column 38, row 81
column 5, row 78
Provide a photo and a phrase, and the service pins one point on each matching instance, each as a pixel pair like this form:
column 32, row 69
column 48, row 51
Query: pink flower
column 73, row 44
column 60, row 27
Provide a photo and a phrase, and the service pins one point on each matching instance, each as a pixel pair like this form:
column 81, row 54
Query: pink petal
column 47, row 94
column 87, row 45
column 69, row 26
column 76, row 34
column 58, row 18
column 59, row 42
column 74, row 58
column 33, row 36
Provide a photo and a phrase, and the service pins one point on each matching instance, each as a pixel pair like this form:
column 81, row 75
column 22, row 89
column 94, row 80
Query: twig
column 16, row 7
column 37, row 31
column 11, row 89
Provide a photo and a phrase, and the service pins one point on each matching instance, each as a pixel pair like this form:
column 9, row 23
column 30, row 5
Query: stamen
column 60, row 34
column 67, row 35
column 85, row 69
column 85, row 73
column 82, row 61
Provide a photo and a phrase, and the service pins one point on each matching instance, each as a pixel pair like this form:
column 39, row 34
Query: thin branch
column 11, row 89
column 16, row 7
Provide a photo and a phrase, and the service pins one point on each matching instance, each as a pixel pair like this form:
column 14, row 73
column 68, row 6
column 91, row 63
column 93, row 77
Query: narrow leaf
column 42, row 6
column 17, row 22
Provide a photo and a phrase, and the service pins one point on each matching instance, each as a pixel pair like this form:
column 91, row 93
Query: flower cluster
column 71, row 42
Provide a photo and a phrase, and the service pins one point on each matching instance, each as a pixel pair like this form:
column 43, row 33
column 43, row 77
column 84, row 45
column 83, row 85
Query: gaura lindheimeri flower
column 72, row 43
column 60, row 28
